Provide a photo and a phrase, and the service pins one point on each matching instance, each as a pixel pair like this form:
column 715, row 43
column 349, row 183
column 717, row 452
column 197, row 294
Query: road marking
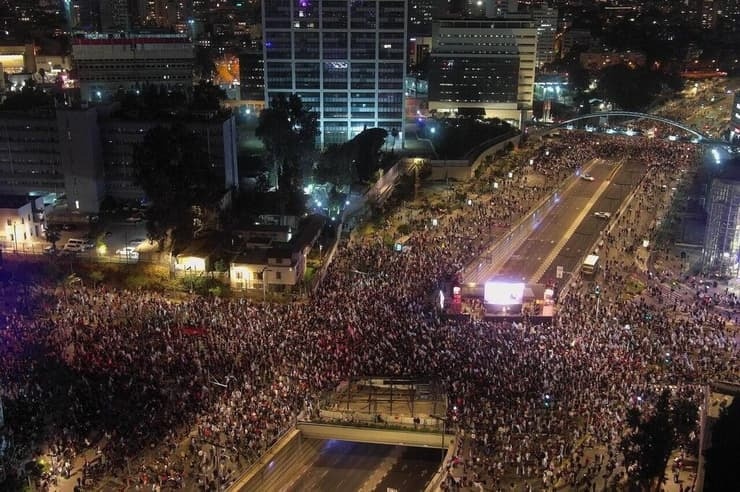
column 571, row 229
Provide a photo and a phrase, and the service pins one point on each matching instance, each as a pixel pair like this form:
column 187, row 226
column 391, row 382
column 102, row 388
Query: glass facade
column 345, row 59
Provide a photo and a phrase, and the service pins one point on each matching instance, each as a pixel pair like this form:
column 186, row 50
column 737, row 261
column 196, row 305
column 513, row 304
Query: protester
column 184, row 394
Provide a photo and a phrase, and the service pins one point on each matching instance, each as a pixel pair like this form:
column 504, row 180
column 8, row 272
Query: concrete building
column 106, row 63
column 21, row 222
column 484, row 63
column 721, row 254
column 546, row 19
column 30, row 159
column 252, row 76
column 87, row 154
column 18, row 58
column 347, row 61
column 277, row 263
column 120, row 135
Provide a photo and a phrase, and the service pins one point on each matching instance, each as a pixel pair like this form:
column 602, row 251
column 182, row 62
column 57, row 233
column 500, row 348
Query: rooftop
column 13, row 202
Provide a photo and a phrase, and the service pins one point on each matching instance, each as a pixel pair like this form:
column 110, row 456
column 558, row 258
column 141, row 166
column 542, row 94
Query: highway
column 339, row 466
column 564, row 235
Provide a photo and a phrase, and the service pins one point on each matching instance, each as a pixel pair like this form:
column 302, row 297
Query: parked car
column 75, row 245
column 134, row 243
column 128, row 252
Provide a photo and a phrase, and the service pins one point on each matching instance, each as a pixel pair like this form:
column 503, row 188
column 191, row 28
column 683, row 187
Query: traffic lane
column 537, row 247
column 342, row 466
column 527, row 258
column 413, row 471
column 587, row 233
column 575, row 195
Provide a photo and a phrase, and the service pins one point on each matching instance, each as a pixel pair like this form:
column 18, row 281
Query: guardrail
column 502, row 249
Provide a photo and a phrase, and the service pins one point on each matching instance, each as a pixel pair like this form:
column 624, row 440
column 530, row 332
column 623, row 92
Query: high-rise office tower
column 115, row 15
column 483, row 63
column 546, row 20
column 721, row 254
column 345, row 59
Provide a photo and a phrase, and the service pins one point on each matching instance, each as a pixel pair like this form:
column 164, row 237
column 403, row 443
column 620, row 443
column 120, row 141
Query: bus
column 590, row 265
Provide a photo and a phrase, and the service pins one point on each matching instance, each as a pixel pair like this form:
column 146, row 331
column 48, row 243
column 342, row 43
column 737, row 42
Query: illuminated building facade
column 346, row 60
column 484, row 63
column 721, row 253
column 107, row 63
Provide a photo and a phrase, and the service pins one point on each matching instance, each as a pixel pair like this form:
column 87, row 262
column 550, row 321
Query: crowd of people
column 184, row 393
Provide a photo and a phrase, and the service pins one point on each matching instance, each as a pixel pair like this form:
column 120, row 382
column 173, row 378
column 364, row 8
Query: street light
column 15, row 237
column 264, row 283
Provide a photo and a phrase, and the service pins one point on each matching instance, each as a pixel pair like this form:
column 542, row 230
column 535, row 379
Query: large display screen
column 503, row 293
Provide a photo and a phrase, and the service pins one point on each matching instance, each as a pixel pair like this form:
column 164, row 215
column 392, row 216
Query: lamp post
column 264, row 283
column 15, row 237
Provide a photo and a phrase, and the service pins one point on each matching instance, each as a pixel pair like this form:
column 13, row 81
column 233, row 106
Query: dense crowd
column 183, row 394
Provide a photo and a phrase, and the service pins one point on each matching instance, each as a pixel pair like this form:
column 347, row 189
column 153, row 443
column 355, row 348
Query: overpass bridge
column 288, row 458
column 699, row 137
column 376, row 435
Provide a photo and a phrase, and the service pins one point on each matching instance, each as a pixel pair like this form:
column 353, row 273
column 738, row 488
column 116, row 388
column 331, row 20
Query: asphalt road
column 345, row 466
column 564, row 236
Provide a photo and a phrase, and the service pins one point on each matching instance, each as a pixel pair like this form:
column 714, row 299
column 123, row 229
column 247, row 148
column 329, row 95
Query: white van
column 75, row 245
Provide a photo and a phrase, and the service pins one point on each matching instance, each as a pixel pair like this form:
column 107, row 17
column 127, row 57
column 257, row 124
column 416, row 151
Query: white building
column 346, row 60
column 107, row 62
column 21, row 222
column 484, row 63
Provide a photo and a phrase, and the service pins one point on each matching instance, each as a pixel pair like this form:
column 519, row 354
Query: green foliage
column 288, row 130
column 220, row 265
column 629, row 88
column 366, row 151
column 173, row 169
column 723, row 472
column 404, row 229
column 96, row 276
column 647, row 449
column 456, row 137
column 336, row 165
column 684, row 418
column 52, row 235
column 202, row 285
column 207, row 97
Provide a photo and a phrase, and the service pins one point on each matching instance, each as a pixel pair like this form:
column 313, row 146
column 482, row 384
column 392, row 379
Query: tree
column 629, row 88
column 366, row 148
column 288, row 131
column 173, row 170
column 336, row 166
column 52, row 235
column 722, row 468
column 647, row 448
column 394, row 134
column 207, row 97
column 684, row 418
